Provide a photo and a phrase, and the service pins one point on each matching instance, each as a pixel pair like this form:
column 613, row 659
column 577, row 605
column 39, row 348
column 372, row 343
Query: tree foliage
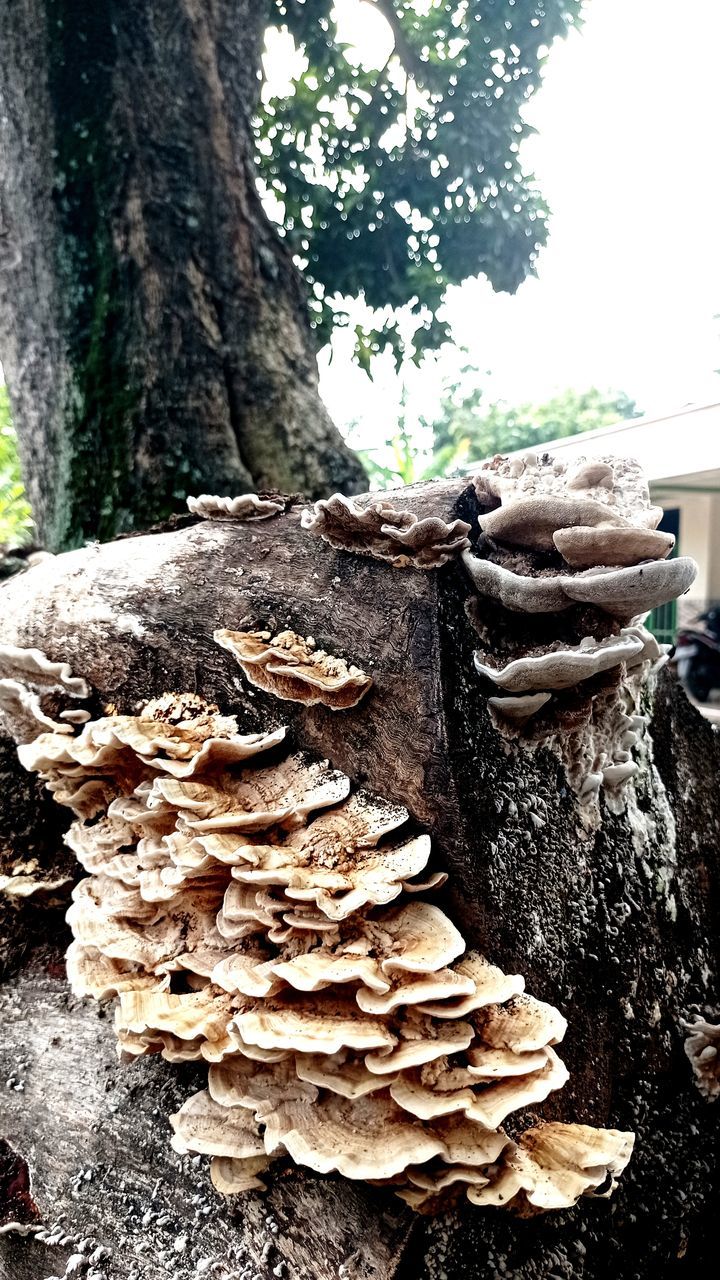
column 465, row 431
column 395, row 183
column 15, row 519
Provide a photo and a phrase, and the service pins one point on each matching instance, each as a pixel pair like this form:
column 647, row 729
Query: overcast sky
column 627, row 155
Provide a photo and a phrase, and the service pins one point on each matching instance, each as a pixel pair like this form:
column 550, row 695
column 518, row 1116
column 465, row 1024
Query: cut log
column 615, row 923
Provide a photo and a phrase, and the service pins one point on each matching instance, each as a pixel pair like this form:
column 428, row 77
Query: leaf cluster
column 394, row 183
column 15, row 517
column 465, row 430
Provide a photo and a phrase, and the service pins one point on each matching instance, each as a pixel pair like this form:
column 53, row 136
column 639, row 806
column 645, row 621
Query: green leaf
column 410, row 190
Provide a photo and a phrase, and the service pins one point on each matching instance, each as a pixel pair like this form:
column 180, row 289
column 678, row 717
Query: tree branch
column 415, row 66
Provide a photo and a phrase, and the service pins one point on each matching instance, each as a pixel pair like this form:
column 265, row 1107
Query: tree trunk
column 615, row 924
column 153, row 326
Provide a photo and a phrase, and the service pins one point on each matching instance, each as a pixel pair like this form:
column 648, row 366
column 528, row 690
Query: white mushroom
column 246, row 506
column 561, row 668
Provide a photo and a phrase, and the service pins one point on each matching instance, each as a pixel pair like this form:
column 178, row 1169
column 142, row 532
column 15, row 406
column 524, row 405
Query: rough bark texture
column 153, row 327
column 616, row 926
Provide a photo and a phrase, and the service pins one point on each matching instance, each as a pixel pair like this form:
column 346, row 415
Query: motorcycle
column 697, row 655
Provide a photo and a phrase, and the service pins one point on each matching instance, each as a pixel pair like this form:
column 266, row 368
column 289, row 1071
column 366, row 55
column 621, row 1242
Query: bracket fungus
column 554, row 1164
column 33, row 690
column 583, row 546
column 535, row 496
column 290, row 667
column 583, row 537
column 262, row 918
column 623, row 592
column 561, row 668
column 702, row 1047
column 246, row 506
column 378, row 530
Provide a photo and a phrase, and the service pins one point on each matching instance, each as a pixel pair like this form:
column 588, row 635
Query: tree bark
column 153, row 326
column 616, row 926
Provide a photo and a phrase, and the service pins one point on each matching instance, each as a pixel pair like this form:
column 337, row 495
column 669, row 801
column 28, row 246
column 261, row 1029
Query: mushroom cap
column 425, row 1192
column 254, row 800
column 442, row 985
column 538, row 495
column 90, row 973
column 239, row 1082
column 33, row 667
column 493, row 1104
column 625, row 593
column 323, row 1025
column 490, row 987
column 342, row 1134
column 495, row 1064
column 532, row 522
column 517, row 710
column 204, row 1126
column 235, row 1176
column 418, row 1039
column 246, row 506
column 522, row 1025
column 340, row 1073
column 231, row 1177
column 127, row 749
column 486, row 1102
column 378, row 530
column 196, row 1015
column 584, row 546
column 554, row 1164
column 522, row 593
column 562, row 668
column 338, row 881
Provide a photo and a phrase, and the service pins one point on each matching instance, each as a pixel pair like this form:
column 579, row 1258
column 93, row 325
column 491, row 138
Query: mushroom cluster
column 379, row 530
column 556, row 536
column 289, row 666
column 251, row 910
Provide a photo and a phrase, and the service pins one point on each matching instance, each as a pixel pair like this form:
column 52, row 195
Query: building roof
column 683, row 446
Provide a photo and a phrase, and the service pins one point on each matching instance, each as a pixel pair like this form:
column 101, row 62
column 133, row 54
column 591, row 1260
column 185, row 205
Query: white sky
column 628, row 157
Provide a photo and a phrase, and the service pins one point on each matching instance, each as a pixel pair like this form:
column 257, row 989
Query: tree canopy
column 393, row 183
column 170, row 335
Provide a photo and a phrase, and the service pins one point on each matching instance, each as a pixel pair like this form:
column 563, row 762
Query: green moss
column 93, row 456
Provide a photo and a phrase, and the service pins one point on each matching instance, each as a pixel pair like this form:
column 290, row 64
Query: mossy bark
column 153, row 326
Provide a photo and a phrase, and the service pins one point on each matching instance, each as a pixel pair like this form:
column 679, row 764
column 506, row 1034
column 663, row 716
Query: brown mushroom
column 290, row 667
column 378, row 530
